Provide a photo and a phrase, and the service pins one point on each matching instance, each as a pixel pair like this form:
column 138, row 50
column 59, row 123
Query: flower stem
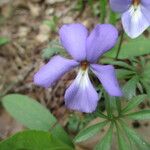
column 103, row 4
column 120, row 44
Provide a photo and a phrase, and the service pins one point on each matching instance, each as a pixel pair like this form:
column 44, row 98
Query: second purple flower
column 135, row 15
column 85, row 50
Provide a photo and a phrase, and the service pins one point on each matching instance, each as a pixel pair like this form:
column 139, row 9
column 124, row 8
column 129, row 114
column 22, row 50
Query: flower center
column 136, row 2
column 84, row 65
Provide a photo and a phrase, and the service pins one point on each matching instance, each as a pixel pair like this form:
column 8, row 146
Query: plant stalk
column 120, row 44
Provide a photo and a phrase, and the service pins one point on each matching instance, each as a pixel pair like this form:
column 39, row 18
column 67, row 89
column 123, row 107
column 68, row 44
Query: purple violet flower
column 135, row 15
column 85, row 50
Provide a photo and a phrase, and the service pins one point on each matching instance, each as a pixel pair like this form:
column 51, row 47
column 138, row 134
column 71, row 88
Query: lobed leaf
column 105, row 143
column 54, row 48
column 122, row 141
column 89, row 131
column 129, row 89
column 141, row 115
column 134, row 102
column 146, row 71
column 147, row 87
column 117, row 63
column 124, row 73
column 133, row 136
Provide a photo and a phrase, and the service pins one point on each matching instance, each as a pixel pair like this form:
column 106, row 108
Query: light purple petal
column 53, row 70
column 81, row 94
column 134, row 22
column 73, row 38
column 101, row 39
column 145, row 9
column 120, row 5
column 145, row 2
column 106, row 75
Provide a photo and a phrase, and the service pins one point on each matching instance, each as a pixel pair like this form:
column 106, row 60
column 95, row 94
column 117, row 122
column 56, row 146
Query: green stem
column 120, row 44
column 103, row 4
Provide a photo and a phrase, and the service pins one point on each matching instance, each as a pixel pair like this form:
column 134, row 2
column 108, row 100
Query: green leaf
column 3, row 40
column 49, row 52
column 134, row 102
column 122, row 141
column 131, row 48
column 124, row 73
column 101, row 115
column 33, row 140
column 89, row 131
column 51, row 23
column 53, row 49
column 147, row 87
column 141, row 115
column 33, row 115
column 105, row 142
column 146, row 71
column 133, row 136
column 129, row 88
column 112, row 17
column 117, row 63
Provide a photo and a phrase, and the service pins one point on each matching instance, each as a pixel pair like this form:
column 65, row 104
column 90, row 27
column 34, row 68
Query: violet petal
column 145, row 9
column 53, row 70
column 120, row 5
column 134, row 22
column 106, row 75
column 73, row 38
column 145, row 2
column 81, row 95
column 102, row 38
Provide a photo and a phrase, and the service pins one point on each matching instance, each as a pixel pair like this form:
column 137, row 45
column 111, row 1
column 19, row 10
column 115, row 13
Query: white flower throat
column 82, row 78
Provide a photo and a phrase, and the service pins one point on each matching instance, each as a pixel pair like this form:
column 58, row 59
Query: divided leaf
column 124, row 73
column 122, row 141
column 147, row 87
column 141, row 115
column 105, row 142
column 134, row 102
column 129, row 88
column 117, row 63
column 53, row 49
column 89, row 131
column 133, row 136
